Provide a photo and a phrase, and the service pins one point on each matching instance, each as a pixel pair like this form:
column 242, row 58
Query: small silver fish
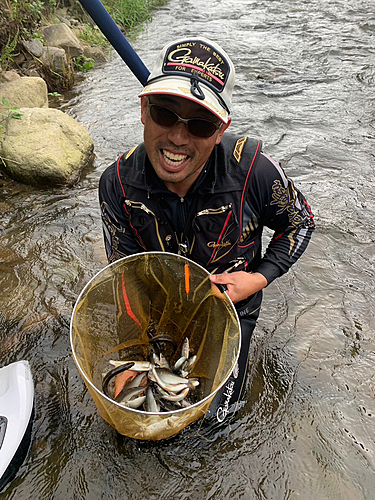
column 170, row 405
column 185, row 351
column 135, row 403
column 150, row 404
column 167, row 386
column 171, row 382
column 177, row 397
column 139, row 366
column 137, row 381
column 128, row 393
column 190, row 363
column 179, row 363
column 163, row 363
column 155, row 359
column 157, row 387
column 169, row 377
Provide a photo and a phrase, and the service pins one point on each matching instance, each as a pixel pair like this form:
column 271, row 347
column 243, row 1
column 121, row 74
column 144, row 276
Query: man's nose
column 179, row 134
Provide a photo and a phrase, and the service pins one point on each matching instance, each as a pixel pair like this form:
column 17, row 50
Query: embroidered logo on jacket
column 285, row 201
column 212, row 244
column 237, row 153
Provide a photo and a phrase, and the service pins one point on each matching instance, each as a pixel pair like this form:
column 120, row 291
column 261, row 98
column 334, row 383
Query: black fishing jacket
column 219, row 223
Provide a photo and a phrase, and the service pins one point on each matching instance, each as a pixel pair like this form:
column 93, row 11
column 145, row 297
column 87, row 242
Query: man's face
column 177, row 156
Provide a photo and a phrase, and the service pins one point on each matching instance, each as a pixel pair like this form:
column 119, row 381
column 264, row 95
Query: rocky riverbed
column 40, row 145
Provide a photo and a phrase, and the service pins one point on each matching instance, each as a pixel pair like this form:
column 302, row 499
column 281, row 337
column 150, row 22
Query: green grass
column 132, row 13
column 92, row 35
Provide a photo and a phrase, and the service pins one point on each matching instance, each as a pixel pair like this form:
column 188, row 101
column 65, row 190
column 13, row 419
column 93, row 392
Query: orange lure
column 187, row 279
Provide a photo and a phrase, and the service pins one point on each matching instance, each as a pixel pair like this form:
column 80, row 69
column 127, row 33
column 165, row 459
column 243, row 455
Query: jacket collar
column 221, row 174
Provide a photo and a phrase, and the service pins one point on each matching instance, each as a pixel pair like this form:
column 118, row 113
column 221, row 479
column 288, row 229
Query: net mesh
column 146, row 300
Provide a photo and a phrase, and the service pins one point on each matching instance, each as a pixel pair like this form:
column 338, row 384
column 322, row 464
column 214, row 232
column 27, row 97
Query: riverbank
column 23, row 36
column 46, row 49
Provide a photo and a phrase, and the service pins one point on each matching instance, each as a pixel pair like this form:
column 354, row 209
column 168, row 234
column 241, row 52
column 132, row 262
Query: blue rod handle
column 111, row 31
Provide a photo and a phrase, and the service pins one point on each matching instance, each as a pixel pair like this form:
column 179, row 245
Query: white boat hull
column 16, row 407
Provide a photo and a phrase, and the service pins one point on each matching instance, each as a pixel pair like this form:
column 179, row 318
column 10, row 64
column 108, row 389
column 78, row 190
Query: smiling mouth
column 173, row 159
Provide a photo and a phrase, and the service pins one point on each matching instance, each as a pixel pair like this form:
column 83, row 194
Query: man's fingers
column 220, row 278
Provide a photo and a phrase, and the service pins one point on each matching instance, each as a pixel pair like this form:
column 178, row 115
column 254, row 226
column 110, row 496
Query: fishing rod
column 111, row 31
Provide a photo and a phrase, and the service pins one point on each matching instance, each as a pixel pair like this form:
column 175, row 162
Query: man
column 191, row 188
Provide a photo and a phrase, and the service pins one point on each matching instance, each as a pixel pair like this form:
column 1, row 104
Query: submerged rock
column 45, row 147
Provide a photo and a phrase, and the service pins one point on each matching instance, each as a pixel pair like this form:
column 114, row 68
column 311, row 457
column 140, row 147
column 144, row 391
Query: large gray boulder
column 24, row 92
column 45, row 147
column 60, row 35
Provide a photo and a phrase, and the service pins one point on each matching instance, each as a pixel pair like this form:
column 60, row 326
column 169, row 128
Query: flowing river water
column 305, row 86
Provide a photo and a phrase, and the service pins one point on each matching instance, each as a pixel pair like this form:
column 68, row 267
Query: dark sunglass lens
column 201, row 128
column 163, row 116
column 196, row 126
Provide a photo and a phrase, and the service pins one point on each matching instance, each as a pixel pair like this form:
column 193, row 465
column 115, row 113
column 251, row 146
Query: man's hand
column 240, row 284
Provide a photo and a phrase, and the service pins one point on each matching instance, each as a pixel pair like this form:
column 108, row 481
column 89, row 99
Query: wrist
column 257, row 282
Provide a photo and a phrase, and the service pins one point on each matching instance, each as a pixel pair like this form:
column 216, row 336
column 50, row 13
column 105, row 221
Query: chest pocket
column 217, row 233
column 146, row 226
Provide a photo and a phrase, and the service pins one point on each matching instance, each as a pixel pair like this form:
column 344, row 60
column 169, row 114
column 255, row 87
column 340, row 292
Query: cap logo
column 200, row 59
column 195, row 68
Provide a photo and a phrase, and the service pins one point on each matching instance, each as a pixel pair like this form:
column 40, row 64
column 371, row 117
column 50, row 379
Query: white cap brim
column 181, row 87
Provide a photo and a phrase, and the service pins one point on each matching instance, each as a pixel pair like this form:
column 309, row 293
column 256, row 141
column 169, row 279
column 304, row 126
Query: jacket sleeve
column 283, row 209
column 118, row 237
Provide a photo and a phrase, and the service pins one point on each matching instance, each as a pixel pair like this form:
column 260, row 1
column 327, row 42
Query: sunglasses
column 198, row 127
